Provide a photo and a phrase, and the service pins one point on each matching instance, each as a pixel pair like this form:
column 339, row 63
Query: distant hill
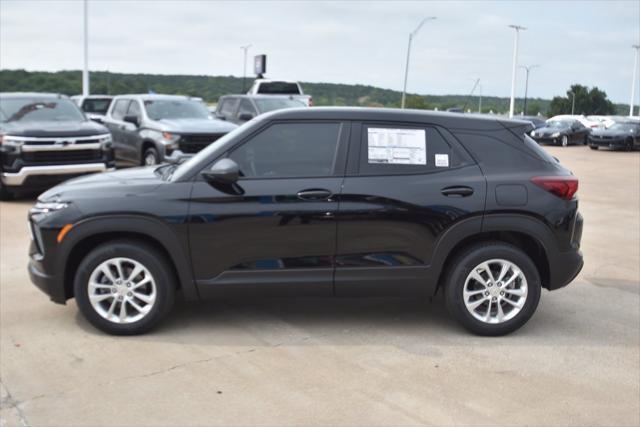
column 210, row 88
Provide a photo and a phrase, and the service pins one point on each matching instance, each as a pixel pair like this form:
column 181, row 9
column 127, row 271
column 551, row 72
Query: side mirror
column 245, row 117
column 133, row 120
column 224, row 171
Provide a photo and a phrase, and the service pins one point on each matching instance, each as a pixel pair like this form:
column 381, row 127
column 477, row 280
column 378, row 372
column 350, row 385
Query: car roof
column 91, row 96
column 258, row 96
column 451, row 120
column 150, row 97
column 31, row 95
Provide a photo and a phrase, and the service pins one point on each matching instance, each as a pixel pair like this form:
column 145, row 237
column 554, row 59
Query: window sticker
column 397, row 146
column 442, row 160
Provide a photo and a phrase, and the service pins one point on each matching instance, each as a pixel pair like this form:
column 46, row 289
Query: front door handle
column 314, row 194
column 457, row 191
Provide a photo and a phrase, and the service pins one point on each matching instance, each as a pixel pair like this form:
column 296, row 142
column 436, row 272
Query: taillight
column 310, row 102
column 562, row 186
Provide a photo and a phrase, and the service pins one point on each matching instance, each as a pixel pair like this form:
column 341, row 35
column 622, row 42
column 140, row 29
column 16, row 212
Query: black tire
column 629, row 146
column 593, row 147
column 5, row 193
column 469, row 259
column 150, row 153
column 151, row 259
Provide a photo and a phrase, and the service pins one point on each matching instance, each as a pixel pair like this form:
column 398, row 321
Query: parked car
column 586, row 122
column 339, row 202
column 46, row 139
column 242, row 108
column 151, row 129
column 622, row 134
column 280, row 87
column 94, row 106
column 561, row 132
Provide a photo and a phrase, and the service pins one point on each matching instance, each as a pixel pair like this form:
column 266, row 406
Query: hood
column 53, row 128
column 132, row 181
column 550, row 131
column 196, row 125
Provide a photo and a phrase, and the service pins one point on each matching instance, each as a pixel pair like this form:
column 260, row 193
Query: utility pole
column 573, row 102
column 85, row 70
column 513, row 71
column 633, row 80
column 526, row 85
column 406, row 68
column 244, row 72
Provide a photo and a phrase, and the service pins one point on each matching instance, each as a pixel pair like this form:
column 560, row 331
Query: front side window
column 120, row 109
column 290, row 150
column 246, row 108
column 228, row 107
column 33, row 109
column 134, row 109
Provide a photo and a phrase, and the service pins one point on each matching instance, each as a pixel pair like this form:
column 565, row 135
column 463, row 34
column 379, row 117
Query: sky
column 354, row 42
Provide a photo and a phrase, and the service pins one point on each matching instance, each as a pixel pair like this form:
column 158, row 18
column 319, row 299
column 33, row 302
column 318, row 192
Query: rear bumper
column 566, row 266
column 62, row 171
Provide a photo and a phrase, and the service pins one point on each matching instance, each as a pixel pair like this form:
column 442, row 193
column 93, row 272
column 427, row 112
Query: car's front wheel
column 150, row 157
column 124, row 287
column 492, row 288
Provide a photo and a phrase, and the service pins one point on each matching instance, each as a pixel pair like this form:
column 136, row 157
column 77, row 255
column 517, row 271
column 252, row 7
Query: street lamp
column 633, row 79
column 85, row 70
column 513, row 71
column 406, row 69
column 573, row 102
column 244, row 72
column 526, row 85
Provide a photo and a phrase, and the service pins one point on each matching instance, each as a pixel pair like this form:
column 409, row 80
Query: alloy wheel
column 121, row 290
column 495, row 291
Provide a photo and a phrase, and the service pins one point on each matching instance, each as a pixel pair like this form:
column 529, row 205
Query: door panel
column 268, row 236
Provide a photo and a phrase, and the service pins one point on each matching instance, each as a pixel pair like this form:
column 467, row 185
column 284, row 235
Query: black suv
column 45, row 139
column 321, row 202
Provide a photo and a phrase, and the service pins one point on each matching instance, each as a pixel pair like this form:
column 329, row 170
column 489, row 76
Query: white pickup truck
column 280, row 88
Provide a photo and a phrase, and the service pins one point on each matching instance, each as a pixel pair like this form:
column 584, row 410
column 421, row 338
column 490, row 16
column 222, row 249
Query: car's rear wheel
column 492, row 288
column 124, row 287
column 593, row 147
column 564, row 140
column 150, row 157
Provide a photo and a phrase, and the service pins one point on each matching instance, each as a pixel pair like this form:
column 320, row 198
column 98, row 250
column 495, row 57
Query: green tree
column 587, row 101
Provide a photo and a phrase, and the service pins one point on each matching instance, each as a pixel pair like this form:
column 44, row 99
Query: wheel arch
column 88, row 234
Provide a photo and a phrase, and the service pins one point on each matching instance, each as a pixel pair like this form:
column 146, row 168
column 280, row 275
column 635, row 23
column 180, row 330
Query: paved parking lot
column 343, row 362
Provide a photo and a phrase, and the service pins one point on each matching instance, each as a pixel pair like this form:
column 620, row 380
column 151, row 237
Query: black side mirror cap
column 245, row 117
column 224, row 171
column 132, row 119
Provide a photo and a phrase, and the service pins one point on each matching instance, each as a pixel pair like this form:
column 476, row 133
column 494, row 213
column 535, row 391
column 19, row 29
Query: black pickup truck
column 46, row 139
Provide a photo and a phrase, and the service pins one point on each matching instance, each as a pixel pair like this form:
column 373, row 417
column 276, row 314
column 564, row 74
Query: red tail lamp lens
column 564, row 187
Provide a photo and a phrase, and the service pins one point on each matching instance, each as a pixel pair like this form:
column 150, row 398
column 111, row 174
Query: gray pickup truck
column 151, row 129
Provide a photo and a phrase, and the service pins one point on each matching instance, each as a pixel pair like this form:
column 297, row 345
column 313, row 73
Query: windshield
column 266, row 105
column 96, row 105
column 279, row 88
column 35, row 109
column 159, row 109
column 560, row 124
column 625, row 127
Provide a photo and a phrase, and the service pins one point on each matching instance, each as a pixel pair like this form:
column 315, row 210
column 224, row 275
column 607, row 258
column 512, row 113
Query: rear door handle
column 457, row 191
column 314, row 194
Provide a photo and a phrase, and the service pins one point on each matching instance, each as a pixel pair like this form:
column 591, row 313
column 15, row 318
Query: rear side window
column 394, row 150
column 120, row 109
column 278, row 88
column 228, row 106
column 290, row 150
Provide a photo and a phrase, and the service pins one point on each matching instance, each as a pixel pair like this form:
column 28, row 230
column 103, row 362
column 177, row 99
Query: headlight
column 533, row 133
column 105, row 141
column 48, row 207
column 12, row 141
column 555, row 135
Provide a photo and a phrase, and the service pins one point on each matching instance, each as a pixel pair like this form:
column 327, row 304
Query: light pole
column 526, row 85
column 85, row 70
column 244, row 72
column 480, row 99
column 406, row 68
column 513, row 71
column 633, row 79
column 573, row 102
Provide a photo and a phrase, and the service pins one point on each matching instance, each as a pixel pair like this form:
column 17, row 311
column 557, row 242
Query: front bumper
column 62, row 171
column 611, row 143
